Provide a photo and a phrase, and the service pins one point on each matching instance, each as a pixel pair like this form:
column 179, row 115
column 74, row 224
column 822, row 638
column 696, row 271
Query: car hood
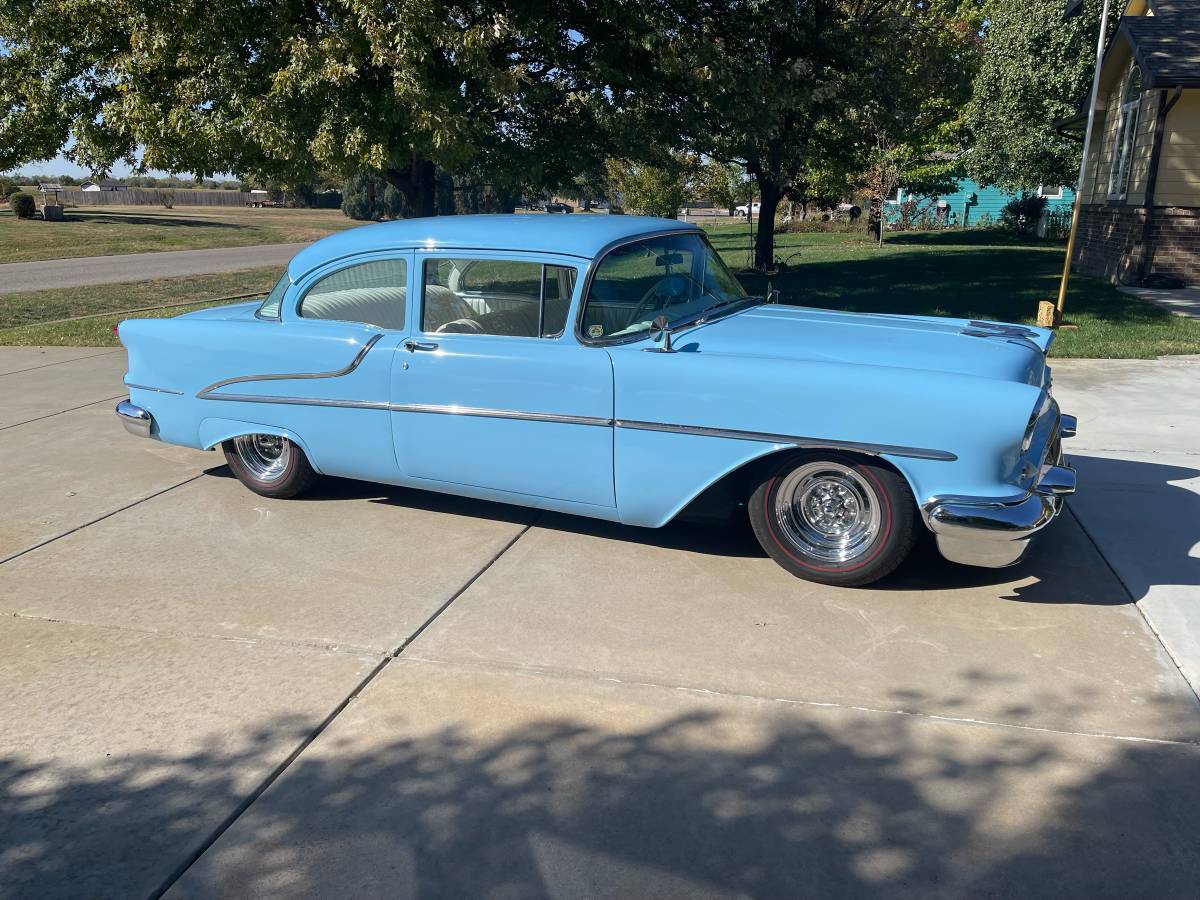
column 959, row 346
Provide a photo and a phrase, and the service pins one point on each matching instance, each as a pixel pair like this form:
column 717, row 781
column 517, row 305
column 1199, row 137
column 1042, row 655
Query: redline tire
column 834, row 518
column 269, row 465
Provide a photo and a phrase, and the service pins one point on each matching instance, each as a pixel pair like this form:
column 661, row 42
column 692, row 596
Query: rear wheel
column 269, row 464
column 834, row 517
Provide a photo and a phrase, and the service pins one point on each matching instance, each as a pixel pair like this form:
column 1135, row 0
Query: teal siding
column 971, row 202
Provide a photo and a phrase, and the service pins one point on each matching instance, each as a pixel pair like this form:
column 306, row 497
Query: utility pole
column 1052, row 316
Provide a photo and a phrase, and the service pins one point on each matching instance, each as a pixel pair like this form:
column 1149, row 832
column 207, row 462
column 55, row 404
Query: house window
column 1050, row 193
column 1125, row 136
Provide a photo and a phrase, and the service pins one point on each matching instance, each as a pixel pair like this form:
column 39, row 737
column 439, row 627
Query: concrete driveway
column 380, row 691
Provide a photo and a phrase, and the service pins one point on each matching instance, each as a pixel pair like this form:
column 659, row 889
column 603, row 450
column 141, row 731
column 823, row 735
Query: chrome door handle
column 413, row 346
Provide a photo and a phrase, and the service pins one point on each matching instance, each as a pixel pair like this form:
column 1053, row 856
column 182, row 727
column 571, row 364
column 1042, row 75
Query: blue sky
column 62, row 166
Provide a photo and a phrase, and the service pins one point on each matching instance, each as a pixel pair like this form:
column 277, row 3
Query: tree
column 655, row 190
column 1035, row 71
column 722, row 184
column 795, row 91
column 280, row 91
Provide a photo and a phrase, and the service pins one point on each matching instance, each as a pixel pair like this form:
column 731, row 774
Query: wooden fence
column 156, row 197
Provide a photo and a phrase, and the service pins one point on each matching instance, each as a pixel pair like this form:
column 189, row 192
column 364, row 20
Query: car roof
column 583, row 235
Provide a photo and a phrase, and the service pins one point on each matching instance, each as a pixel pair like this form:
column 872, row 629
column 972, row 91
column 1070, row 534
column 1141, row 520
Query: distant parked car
column 746, row 209
column 559, row 208
column 612, row 367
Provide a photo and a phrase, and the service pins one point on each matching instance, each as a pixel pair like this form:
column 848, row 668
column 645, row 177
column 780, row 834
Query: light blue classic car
column 611, row 366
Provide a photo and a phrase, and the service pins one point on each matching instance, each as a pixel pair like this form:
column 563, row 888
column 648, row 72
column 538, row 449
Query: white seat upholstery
column 382, row 306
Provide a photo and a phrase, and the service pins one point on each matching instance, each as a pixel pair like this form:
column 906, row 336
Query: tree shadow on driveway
column 709, row 801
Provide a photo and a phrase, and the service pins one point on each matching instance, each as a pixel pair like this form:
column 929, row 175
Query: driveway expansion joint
column 120, row 509
column 62, row 362
column 576, row 675
column 62, row 411
column 354, row 694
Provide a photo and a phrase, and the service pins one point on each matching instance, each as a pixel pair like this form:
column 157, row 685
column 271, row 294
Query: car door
column 492, row 390
column 315, row 363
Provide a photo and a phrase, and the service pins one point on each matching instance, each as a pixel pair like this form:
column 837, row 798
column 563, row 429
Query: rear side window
column 270, row 306
column 496, row 296
column 373, row 293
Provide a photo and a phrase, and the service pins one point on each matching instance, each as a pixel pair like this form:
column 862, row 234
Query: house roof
column 1166, row 45
column 582, row 235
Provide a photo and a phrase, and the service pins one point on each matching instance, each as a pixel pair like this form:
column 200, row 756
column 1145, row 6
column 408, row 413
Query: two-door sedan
column 611, row 366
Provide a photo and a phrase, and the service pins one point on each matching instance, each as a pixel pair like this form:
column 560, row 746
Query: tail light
column 116, row 330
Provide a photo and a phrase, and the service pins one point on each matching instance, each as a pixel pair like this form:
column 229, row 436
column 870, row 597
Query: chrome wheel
column 828, row 511
column 265, row 456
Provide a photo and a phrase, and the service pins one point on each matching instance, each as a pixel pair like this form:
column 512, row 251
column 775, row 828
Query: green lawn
column 105, row 231
column 968, row 274
column 975, row 274
column 25, row 319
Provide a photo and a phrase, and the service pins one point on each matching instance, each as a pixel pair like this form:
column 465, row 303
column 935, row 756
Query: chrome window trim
column 146, row 387
column 591, row 275
column 375, row 257
column 207, row 393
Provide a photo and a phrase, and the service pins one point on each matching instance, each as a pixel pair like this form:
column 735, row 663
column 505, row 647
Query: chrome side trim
column 354, row 364
column 300, row 401
column 146, row 387
column 135, row 419
column 560, row 418
column 793, row 440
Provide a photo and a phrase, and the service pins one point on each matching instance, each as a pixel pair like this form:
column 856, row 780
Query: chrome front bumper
column 135, row 419
column 996, row 532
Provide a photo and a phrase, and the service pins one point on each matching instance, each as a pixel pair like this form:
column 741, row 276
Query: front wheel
column 834, row 517
column 269, row 464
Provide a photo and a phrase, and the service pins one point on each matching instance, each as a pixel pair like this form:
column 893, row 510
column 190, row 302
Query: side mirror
column 661, row 328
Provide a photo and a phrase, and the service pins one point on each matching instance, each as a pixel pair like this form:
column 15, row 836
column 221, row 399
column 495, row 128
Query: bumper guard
column 135, row 419
column 996, row 532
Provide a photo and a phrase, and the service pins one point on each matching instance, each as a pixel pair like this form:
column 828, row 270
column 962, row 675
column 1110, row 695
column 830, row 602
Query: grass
column 976, row 274
column 967, row 274
column 105, row 231
column 25, row 319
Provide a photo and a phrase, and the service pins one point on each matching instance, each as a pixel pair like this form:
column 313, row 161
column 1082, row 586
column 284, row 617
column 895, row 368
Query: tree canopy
column 518, row 96
column 1036, row 70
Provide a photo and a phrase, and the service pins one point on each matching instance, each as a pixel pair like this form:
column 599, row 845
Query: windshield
column 678, row 276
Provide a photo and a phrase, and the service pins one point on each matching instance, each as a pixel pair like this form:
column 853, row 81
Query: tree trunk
column 416, row 183
column 764, row 242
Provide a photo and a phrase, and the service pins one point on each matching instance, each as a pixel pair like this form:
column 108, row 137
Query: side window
column 270, row 306
column 373, row 293
column 496, row 296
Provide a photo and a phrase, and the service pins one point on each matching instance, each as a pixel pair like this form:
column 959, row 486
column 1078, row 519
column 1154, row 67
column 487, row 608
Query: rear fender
column 214, row 432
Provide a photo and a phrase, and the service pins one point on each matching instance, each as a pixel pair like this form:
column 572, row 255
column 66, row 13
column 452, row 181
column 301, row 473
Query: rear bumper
column 135, row 419
column 994, row 532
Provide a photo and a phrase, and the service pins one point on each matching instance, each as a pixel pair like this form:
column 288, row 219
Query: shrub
column 1021, row 214
column 168, row 199
column 22, row 205
column 369, row 198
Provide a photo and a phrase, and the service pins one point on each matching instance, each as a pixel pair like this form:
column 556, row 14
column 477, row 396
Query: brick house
column 1140, row 207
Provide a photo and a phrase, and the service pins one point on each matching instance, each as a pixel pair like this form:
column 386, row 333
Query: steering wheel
column 677, row 281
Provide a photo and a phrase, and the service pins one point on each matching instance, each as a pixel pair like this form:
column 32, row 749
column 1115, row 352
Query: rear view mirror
column 669, row 259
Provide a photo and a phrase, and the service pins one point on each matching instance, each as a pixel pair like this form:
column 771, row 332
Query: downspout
column 1160, row 126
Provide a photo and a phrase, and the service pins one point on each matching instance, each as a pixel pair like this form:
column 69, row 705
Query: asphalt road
column 61, row 273
column 374, row 691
